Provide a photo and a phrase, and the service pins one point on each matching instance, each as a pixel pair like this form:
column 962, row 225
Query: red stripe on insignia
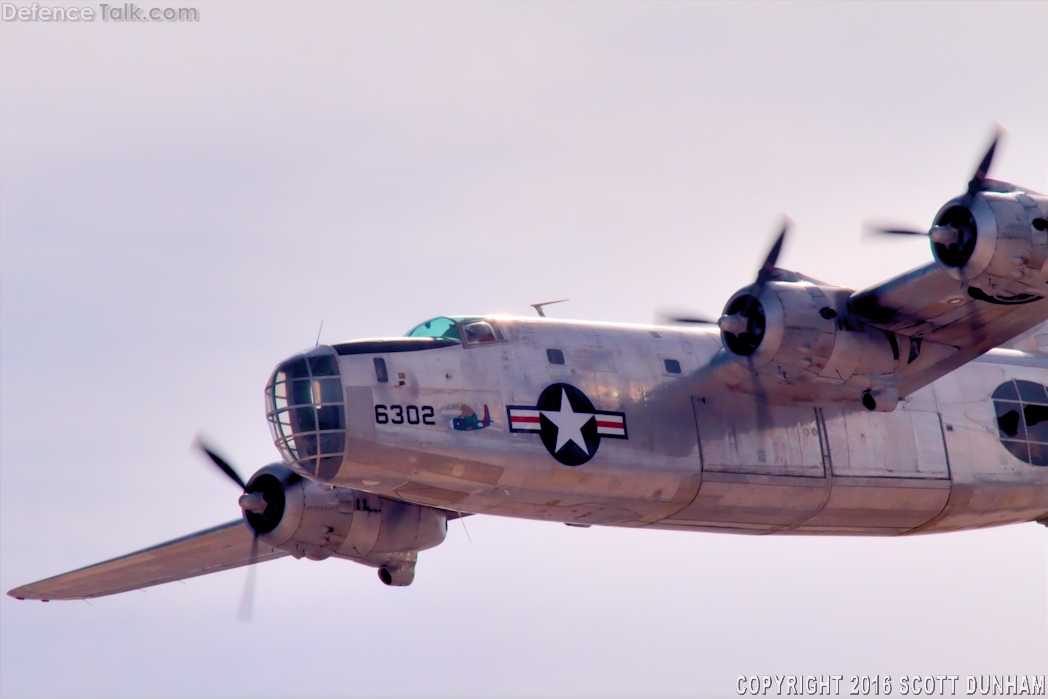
column 518, row 418
column 615, row 423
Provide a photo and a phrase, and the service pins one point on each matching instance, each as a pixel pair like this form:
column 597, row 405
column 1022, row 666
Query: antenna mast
column 538, row 306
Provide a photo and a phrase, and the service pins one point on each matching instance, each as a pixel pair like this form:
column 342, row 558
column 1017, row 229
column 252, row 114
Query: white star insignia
column 569, row 424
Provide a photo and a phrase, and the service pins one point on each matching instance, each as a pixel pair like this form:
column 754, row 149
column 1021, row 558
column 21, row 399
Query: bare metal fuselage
column 690, row 459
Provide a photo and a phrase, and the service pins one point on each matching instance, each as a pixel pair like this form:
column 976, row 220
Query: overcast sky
column 182, row 204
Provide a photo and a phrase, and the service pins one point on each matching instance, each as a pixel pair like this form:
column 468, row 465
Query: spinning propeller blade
column 975, row 185
column 247, row 598
column 763, row 277
column 222, row 464
column 876, row 230
column 687, row 320
column 766, row 270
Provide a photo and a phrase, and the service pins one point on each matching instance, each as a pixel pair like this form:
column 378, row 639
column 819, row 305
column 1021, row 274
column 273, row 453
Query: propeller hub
column 944, row 235
column 253, row 502
column 745, row 320
column 958, row 234
column 735, row 324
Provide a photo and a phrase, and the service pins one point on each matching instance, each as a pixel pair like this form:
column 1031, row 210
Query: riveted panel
column 784, row 441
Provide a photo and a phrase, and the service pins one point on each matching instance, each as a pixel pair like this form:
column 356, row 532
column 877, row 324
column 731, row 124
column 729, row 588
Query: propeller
column 247, row 597
column 743, row 321
column 975, row 185
column 736, row 324
column 747, row 317
column 749, row 320
column 250, row 502
column 223, row 465
column 668, row 319
column 766, row 270
column 947, row 234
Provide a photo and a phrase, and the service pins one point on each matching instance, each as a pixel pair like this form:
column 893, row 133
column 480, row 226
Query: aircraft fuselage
column 590, row 423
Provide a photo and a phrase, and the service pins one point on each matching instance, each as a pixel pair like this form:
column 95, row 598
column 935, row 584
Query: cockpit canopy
column 469, row 330
column 306, row 412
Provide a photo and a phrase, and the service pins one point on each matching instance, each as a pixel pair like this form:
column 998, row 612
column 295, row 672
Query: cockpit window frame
column 460, row 323
column 498, row 336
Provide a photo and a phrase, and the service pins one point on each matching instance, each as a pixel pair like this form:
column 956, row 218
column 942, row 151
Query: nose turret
column 306, row 411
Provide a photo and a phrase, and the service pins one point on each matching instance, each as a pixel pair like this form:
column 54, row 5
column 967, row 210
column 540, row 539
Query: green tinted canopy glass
column 444, row 328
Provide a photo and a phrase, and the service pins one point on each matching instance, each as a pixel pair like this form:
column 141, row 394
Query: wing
column 791, row 339
column 209, row 551
column 930, row 305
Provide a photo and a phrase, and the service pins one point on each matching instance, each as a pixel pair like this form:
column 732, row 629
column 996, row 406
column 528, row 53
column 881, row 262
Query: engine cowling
column 315, row 521
column 805, row 327
column 997, row 237
column 805, row 332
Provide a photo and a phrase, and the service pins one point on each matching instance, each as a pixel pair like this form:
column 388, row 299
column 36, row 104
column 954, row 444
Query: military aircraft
column 807, row 408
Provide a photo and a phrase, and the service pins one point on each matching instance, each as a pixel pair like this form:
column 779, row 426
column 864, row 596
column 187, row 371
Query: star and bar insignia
column 568, row 424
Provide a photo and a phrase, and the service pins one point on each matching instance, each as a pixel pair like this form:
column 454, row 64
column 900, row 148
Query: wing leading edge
column 209, row 551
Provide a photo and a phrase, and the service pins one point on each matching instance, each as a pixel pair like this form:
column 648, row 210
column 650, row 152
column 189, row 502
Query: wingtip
column 23, row 593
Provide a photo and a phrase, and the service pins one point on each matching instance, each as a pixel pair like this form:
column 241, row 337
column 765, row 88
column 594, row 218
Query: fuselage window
column 380, row 370
column 672, row 366
column 555, row 356
column 1022, row 419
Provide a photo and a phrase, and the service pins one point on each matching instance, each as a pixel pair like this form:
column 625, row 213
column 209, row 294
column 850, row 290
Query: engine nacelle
column 805, row 331
column 315, row 521
column 997, row 239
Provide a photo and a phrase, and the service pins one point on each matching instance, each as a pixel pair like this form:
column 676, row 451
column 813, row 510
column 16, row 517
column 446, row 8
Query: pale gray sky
column 182, row 204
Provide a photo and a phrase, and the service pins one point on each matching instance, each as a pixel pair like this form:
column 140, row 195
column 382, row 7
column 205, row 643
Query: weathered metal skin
column 690, row 460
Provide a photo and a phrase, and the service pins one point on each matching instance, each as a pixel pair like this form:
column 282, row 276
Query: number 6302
column 401, row 414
